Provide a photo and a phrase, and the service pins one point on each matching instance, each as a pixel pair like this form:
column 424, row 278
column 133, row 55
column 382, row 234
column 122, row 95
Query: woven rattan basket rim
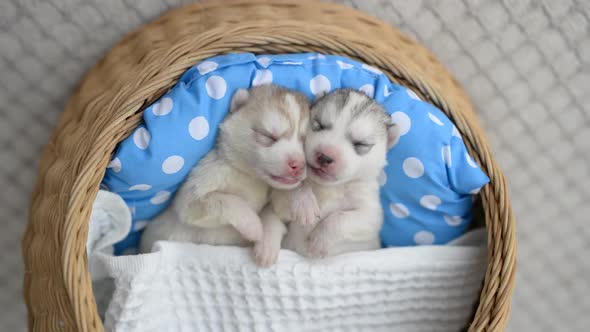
column 106, row 106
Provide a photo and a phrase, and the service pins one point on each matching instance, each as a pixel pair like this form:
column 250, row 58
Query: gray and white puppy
column 259, row 147
column 337, row 208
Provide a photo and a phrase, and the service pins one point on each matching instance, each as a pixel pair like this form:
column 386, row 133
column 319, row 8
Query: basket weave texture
column 107, row 105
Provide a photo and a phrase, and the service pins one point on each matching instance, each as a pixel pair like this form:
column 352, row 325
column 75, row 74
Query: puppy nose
column 324, row 160
column 296, row 165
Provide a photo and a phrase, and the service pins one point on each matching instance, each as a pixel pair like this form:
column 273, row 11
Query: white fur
column 344, row 127
column 220, row 200
column 241, row 141
column 343, row 214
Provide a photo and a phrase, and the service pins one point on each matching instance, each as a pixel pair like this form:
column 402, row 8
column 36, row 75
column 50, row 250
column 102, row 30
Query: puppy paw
column 266, row 252
column 317, row 247
column 319, row 242
column 304, row 208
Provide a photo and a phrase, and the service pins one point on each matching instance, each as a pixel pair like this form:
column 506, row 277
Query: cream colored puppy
column 259, row 147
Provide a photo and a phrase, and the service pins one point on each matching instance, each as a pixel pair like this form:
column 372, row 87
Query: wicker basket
column 107, row 106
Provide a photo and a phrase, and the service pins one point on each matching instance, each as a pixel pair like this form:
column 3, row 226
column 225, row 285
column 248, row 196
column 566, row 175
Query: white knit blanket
column 185, row 287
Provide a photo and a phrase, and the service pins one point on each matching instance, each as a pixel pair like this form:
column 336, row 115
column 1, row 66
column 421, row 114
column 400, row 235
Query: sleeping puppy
column 337, row 209
column 259, row 146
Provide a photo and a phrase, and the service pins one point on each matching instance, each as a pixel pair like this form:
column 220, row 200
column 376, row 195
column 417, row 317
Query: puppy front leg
column 218, row 208
column 266, row 250
column 347, row 225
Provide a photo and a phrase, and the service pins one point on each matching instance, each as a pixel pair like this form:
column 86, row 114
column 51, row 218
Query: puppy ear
column 392, row 135
column 238, row 100
column 317, row 99
column 320, row 94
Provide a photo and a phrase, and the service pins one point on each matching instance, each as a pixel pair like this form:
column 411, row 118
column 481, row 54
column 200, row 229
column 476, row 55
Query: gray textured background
column 524, row 63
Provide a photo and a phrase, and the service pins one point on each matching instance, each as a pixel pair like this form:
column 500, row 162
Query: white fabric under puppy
column 110, row 221
column 187, row 287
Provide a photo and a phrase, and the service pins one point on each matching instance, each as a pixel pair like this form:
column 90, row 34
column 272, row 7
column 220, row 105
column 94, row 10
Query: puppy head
column 348, row 138
column 263, row 134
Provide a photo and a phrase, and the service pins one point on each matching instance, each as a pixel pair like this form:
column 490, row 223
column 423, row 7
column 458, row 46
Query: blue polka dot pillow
column 426, row 187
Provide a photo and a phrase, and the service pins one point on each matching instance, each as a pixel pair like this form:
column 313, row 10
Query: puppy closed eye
column 362, row 148
column 316, row 125
column 265, row 138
